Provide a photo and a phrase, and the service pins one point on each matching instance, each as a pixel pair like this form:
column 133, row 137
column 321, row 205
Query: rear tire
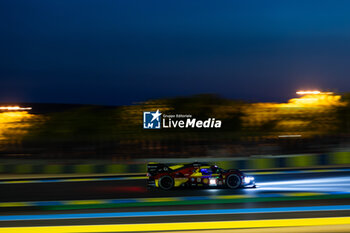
column 233, row 181
column 166, row 182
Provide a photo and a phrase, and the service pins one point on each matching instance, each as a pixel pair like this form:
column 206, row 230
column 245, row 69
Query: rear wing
column 156, row 168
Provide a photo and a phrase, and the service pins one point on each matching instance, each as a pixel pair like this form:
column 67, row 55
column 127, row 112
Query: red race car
column 196, row 175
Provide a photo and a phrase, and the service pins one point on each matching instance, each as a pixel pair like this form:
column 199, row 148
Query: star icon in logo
column 156, row 115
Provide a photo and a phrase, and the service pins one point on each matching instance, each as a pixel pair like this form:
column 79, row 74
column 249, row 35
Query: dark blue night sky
column 120, row 52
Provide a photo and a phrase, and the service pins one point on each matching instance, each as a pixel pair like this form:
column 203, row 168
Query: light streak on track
column 176, row 213
column 331, row 184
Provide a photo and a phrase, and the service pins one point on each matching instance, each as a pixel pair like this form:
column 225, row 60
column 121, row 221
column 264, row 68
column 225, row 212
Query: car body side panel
column 180, row 181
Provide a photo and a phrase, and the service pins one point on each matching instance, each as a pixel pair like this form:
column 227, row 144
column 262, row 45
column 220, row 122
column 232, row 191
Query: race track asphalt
column 313, row 194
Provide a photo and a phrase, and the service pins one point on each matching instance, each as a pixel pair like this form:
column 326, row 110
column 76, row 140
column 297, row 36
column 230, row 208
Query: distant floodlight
column 290, row 136
column 308, row 92
column 313, row 93
column 14, row 108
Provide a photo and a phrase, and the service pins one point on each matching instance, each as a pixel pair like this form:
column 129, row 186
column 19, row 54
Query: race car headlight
column 248, row 179
column 212, row 182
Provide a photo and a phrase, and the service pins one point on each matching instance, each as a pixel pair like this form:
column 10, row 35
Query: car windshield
column 206, row 171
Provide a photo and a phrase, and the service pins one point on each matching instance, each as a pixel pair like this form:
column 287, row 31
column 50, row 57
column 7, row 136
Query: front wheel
column 166, row 182
column 233, row 181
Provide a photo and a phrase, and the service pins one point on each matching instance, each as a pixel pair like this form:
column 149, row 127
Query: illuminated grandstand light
column 290, row 136
column 14, row 108
column 308, row 92
column 313, row 93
